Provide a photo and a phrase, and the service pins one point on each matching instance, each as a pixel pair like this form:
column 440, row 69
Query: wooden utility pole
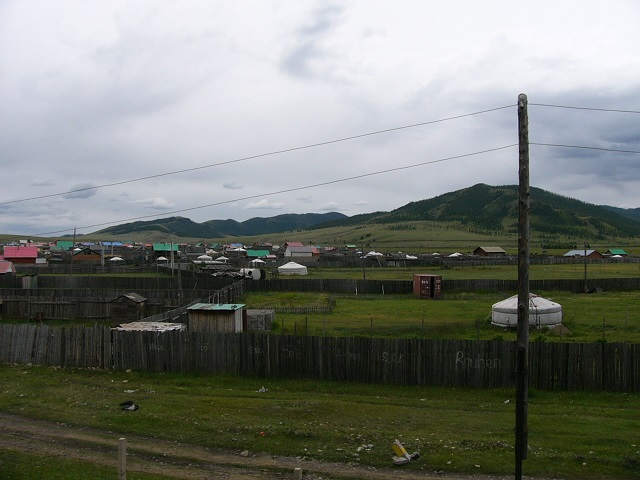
column 522, row 342
column 586, row 288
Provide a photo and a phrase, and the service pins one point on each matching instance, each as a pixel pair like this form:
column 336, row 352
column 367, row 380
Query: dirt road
column 180, row 460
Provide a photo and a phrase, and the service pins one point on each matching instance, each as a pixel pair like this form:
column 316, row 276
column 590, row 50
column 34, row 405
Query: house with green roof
column 616, row 251
column 253, row 253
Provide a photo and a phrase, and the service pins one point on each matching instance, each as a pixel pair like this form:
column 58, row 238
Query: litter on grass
column 402, row 457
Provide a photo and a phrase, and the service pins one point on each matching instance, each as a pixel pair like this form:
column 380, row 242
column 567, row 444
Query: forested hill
column 495, row 209
column 183, row 227
column 480, row 208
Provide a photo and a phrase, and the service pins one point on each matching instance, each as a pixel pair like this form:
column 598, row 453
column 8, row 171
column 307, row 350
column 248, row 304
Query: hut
column 215, row 317
column 542, row 312
column 128, row 307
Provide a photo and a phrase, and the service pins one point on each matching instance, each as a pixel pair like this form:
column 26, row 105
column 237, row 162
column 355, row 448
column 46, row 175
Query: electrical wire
column 584, row 147
column 288, row 190
column 319, row 144
column 612, row 110
column 260, row 155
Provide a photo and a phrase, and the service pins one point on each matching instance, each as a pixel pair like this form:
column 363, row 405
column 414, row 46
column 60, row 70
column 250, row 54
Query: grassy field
column 572, row 434
column 501, row 272
column 612, row 317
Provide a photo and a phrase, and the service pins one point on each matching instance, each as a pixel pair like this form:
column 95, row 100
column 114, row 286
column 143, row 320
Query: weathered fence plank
column 452, row 363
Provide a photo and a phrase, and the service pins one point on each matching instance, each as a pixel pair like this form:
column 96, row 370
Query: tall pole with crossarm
column 522, row 342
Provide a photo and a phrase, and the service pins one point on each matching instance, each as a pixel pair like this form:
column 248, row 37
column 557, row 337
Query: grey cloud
column 300, row 60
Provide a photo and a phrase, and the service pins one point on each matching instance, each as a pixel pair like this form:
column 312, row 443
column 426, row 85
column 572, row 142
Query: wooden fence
column 76, row 304
column 454, row 363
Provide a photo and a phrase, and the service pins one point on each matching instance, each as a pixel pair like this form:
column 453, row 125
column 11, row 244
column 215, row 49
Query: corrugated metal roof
column 152, row 326
column 493, row 249
column 229, row 307
column 20, row 252
column 136, row 297
column 578, row 253
column 257, row 253
column 7, row 267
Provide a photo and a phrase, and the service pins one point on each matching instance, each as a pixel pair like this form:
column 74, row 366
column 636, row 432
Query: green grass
column 500, row 272
column 453, row 429
column 33, row 466
column 612, row 316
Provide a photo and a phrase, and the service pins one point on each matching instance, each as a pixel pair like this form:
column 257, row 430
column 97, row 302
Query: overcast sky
column 241, row 109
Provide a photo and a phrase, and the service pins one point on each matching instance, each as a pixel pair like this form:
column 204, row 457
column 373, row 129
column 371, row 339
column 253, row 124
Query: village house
column 166, row 250
column 581, row 253
column 87, row 255
column 489, row 252
column 616, row 252
column 253, row 254
column 18, row 254
column 301, row 251
column 62, row 246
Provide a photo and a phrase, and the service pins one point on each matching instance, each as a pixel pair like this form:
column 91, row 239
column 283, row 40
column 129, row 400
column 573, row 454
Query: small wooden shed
column 128, row 307
column 215, row 317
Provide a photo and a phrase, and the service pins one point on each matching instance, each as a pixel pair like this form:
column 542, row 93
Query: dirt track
column 179, row 460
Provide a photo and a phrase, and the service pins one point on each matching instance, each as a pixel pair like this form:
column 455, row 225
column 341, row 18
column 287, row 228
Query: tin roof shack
column 127, row 308
column 215, row 317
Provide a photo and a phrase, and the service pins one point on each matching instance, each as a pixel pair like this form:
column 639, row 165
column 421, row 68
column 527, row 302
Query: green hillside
column 486, row 209
column 460, row 220
column 184, row 228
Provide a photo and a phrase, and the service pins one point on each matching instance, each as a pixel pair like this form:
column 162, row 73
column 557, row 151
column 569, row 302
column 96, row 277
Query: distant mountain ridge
column 495, row 209
column 184, row 227
column 480, row 208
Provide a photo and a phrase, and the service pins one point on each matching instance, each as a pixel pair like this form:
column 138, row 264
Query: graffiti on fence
column 393, row 358
column 256, row 351
column 478, row 362
column 350, row 356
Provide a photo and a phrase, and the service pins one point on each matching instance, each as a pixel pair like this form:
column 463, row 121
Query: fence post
column 122, row 459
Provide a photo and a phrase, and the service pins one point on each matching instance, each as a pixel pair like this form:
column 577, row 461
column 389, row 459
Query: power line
column 260, row 155
column 602, row 149
column 613, row 110
column 288, row 190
